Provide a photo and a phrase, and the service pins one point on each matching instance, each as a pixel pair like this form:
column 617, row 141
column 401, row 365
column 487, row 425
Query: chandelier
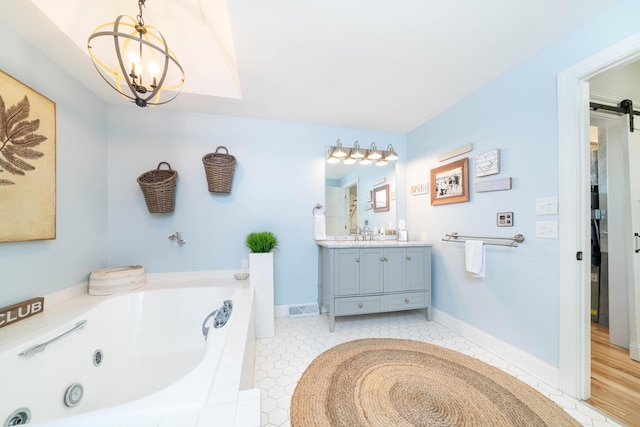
column 142, row 66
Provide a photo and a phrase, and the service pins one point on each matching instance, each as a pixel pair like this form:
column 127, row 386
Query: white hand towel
column 319, row 227
column 474, row 252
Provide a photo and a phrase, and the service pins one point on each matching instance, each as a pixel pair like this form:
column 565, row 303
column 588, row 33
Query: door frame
column 574, row 363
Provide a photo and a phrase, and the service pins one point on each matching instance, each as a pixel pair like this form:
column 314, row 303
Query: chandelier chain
column 140, row 20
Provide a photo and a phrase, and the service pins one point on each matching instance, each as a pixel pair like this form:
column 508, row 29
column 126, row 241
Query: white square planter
column 261, row 279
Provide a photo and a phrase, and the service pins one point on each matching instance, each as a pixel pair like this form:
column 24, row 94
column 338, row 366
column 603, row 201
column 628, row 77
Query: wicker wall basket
column 159, row 189
column 219, row 168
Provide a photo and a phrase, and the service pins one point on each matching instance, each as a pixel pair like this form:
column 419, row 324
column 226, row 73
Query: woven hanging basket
column 159, row 189
column 219, row 168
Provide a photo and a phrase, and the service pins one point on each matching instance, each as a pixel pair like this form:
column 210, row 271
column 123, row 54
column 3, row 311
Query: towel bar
column 513, row 241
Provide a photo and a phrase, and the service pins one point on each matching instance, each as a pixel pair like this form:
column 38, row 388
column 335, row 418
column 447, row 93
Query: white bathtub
column 157, row 368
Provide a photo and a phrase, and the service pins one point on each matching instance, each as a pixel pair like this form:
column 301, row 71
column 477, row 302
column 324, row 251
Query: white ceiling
column 373, row 64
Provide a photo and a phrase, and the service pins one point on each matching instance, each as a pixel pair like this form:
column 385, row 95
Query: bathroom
column 102, row 220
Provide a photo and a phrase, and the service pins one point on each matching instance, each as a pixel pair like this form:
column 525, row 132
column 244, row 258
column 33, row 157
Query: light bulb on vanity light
column 391, row 154
column 374, row 154
column 349, row 160
column 339, row 151
column 333, row 160
column 357, row 152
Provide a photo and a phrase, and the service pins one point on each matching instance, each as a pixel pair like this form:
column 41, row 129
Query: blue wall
column 517, row 302
column 31, row 269
column 279, row 178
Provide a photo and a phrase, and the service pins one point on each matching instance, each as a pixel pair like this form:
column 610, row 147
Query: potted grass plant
column 261, row 242
column 261, row 245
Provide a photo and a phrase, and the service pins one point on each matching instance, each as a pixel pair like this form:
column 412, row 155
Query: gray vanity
column 358, row 277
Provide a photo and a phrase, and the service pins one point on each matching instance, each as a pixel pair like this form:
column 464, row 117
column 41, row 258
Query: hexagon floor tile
column 281, row 360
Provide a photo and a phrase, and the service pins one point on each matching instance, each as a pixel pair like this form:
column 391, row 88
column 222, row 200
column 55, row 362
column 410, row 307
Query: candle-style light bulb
column 134, row 58
column 154, row 69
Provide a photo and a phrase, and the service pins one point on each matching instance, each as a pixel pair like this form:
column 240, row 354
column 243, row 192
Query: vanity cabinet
column 374, row 278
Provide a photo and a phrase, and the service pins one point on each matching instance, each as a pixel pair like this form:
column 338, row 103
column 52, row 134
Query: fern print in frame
column 27, row 163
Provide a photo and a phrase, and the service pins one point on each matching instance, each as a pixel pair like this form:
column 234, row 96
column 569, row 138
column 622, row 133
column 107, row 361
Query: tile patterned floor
column 281, row 360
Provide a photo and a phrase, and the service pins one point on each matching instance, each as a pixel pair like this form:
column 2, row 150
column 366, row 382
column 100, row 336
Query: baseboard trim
column 634, row 351
column 536, row 367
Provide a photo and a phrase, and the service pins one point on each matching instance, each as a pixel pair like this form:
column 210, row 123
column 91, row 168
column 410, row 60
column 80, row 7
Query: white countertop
column 368, row 244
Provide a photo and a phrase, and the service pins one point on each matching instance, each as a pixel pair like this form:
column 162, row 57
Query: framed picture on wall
column 450, row 183
column 488, row 163
column 27, row 163
column 381, row 199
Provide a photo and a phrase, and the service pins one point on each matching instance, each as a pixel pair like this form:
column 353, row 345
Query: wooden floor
column 615, row 378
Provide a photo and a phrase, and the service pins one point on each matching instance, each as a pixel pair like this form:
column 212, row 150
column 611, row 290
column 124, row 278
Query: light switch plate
column 504, row 219
column 547, row 206
column 547, row 229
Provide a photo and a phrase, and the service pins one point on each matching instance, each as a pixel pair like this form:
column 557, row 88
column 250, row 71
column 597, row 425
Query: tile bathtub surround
column 281, row 360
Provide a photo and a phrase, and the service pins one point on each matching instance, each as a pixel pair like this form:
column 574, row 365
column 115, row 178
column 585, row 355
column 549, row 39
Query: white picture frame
column 488, row 163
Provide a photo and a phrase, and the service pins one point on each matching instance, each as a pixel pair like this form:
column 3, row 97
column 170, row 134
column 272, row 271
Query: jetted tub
column 141, row 357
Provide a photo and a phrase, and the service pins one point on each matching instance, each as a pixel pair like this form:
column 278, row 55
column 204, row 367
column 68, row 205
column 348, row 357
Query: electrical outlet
column 505, row 219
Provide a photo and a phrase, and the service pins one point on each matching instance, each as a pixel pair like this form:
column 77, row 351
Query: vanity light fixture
column 339, row 151
column 374, row 154
column 333, row 159
column 357, row 152
column 391, row 155
column 349, row 160
column 350, row 156
column 152, row 66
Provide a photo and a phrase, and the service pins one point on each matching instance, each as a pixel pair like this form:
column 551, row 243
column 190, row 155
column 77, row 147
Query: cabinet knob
column 359, row 305
column 408, row 258
column 381, row 259
column 357, row 259
column 406, row 300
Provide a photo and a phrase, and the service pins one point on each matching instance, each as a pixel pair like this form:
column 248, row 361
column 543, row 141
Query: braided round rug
column 393, row 382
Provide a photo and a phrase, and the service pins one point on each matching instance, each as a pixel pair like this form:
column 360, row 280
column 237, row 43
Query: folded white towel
column 474, row 251
column 319, row 227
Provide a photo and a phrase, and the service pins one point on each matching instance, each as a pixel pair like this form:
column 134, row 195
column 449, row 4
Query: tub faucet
column 177, row 237
column 220, row 317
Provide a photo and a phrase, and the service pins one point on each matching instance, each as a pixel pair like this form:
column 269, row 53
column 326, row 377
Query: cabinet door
column 418, row 268
column 371, row 267
column 346, row 272
column 394, row 269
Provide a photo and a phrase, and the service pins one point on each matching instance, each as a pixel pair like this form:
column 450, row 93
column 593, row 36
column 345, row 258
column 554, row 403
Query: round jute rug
column 393, row 382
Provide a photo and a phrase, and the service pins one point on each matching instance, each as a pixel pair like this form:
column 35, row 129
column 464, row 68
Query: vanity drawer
column 406, row 301
column 358, row 305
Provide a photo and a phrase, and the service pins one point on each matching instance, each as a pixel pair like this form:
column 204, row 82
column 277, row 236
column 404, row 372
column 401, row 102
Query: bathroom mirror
column 349, row 197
